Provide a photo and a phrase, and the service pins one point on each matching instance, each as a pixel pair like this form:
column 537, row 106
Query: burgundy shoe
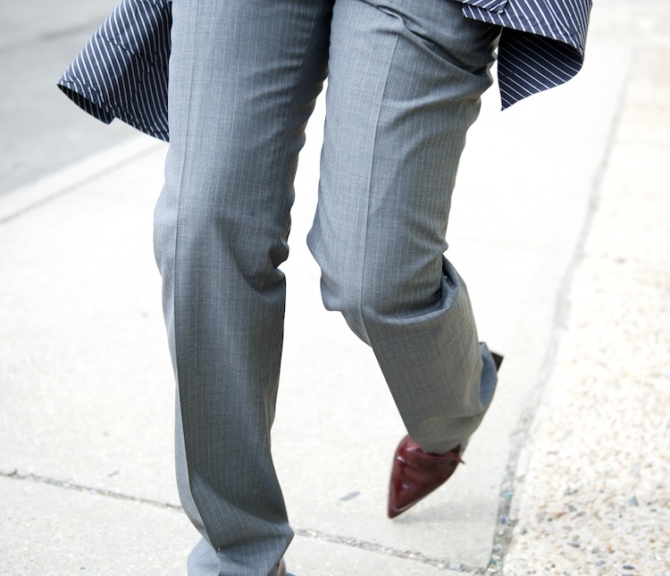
column 416, row 473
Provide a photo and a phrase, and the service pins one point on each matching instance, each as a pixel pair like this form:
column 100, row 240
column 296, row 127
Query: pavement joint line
column 24, row 199
column 443, row 564
column 52, row 35
column 440, row 563
column 66, row 484
column 520, row 447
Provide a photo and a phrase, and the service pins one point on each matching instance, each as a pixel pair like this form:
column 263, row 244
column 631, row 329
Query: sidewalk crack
column 67, row 485
column 440, row 563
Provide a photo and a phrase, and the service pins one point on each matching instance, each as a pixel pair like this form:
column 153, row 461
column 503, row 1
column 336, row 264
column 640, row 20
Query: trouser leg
column 244, row 75
column 404, row 86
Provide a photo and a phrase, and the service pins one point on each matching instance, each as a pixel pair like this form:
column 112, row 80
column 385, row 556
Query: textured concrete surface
column 86, row 421
column 594, row 496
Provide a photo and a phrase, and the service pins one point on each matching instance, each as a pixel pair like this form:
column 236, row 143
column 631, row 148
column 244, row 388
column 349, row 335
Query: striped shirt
column 123, row 70
column 541, row 45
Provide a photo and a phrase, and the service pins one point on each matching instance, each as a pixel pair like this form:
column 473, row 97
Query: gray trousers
column 404, row 84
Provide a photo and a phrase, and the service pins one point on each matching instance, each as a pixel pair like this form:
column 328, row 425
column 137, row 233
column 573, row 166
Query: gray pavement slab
column 40, row 130
column 313, row 556
column 87, row 381
column 49, row 530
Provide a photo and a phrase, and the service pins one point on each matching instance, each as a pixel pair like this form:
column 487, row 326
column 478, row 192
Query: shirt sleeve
column 542, row 43
column 123, row 70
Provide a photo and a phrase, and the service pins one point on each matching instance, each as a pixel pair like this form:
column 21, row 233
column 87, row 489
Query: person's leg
column 404, row 86
column 244, row 75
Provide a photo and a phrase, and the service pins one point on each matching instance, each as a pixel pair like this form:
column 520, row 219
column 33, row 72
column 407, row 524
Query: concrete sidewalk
column 557, row 225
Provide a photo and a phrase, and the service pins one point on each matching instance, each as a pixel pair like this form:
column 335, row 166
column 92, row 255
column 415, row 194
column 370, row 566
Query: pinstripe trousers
column 404, row 83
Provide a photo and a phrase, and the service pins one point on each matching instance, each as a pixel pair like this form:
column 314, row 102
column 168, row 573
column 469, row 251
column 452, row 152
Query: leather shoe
column 416, row 473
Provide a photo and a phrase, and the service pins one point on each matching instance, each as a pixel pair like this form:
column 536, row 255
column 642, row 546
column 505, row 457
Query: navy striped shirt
column 123, row 70
column 542, row 42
